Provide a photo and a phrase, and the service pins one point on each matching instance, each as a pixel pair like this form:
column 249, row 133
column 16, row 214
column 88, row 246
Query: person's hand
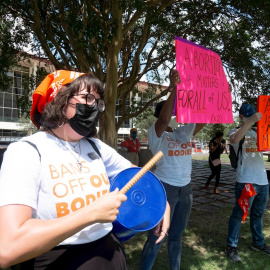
column 254, row 118
column 106, row 207
column 162, row 228
column 160, row 232
column 174, row 78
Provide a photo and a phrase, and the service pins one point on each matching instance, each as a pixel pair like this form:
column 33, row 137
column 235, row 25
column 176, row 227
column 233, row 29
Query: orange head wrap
column 48, row 89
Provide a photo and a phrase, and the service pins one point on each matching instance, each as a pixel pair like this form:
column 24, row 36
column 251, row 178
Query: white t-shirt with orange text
column 250, row 166
column 53, row 184
column 175, row 166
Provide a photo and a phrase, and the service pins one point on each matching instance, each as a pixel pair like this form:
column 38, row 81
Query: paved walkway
column 208, row 201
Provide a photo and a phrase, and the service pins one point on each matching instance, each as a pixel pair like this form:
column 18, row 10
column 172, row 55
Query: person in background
column 250, row 175
column 216, row 147
column 174, row 171
column 132, row 145
column 56, row 208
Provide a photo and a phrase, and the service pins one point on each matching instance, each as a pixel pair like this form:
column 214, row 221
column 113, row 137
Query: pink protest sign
column 204, row 95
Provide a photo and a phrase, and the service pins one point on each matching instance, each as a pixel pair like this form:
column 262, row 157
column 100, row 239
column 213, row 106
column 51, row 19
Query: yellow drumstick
column 142, row 171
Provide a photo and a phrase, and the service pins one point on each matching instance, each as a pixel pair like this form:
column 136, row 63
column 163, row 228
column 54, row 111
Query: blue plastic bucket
column 145, row 205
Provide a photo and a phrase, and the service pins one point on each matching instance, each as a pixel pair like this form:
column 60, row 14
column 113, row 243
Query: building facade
column 12, row 127
column 11, row 117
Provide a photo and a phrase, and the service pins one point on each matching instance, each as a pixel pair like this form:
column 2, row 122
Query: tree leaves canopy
column 9, row 47
column 122, row 41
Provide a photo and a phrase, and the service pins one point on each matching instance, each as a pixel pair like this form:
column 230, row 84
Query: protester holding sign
column 174, row 170
column 250, row 172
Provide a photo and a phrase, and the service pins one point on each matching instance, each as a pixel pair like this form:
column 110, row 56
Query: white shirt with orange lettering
column 250, row 167
column 53, row 184
column 175, row 166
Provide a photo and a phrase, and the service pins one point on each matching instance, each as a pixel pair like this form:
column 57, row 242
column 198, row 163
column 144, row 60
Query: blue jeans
column 257, row 206
column 180, row 200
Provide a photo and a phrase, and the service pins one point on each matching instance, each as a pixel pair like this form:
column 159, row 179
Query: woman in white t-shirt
column 56, row 208
column 174, row 170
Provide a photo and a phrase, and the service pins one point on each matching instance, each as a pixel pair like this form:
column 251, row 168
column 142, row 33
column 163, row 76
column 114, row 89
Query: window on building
column 9, row 111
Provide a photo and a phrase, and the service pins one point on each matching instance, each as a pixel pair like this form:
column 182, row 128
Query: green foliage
column 122, row 41
column 209, row 131
column 8, row 54
column 143, row 122
column 29, row 84
column 13, row 37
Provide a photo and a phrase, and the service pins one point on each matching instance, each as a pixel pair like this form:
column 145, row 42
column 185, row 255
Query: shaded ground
column 208, row 201
column 204, row 240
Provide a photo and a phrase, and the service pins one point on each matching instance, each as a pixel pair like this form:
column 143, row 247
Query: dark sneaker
column 263, row 248
column 233, row 254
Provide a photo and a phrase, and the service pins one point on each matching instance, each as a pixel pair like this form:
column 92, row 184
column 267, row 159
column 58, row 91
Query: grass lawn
column 204, row 243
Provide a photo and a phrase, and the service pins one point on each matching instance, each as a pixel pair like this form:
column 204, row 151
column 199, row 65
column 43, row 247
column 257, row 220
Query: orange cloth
column 247, row 192
column 131, row 147
column 48, row 88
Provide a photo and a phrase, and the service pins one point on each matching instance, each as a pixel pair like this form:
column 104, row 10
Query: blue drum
column 145, row 205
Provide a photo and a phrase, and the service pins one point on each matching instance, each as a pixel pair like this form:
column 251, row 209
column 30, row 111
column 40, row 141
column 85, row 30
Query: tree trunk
column 107, row 127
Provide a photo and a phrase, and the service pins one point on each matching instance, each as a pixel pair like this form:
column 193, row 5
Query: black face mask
column 85, row 119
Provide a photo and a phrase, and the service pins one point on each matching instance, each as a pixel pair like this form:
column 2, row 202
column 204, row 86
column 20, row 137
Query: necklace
column 77, row 159
column 75, row 145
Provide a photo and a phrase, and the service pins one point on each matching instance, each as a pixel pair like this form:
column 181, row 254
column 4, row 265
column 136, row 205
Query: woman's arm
column 167, row 110
column 23, row 238
column 241, row 132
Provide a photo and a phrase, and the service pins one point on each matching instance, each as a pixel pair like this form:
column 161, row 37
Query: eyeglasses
column 92, row 100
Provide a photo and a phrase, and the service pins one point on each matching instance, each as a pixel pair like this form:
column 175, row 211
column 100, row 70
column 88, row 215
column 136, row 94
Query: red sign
column 263, row 126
